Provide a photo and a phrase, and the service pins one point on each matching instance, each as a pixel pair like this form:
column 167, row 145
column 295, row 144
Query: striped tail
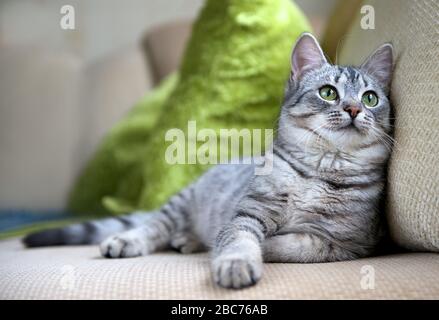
column 174, row 214
column 90, row 232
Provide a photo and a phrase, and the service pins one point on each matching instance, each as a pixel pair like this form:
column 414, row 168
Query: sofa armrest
column 164, row 46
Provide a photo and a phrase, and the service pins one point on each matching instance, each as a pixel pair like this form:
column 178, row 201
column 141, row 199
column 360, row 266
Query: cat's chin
column 346, row 137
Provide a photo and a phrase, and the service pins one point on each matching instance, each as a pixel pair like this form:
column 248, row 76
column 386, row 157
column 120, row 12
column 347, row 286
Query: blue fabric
column 16, row 218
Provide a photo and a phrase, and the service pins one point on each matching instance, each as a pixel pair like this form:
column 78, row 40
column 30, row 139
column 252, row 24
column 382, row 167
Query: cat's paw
column 236, row 271
column 124, row 245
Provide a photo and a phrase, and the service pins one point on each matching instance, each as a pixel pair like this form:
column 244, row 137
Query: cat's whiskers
column 389, row 138
column 378, row 135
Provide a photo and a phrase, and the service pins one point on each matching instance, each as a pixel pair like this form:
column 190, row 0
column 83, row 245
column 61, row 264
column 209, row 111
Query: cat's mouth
column 340, row 123
column 351, row 126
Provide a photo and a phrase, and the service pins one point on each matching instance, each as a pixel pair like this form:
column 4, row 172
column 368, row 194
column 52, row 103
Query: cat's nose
column 352, row 110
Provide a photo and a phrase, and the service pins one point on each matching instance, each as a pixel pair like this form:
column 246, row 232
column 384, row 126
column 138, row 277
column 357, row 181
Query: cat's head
column 345, row 107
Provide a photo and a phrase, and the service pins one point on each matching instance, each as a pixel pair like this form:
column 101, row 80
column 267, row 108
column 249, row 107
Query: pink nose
column 352, row 110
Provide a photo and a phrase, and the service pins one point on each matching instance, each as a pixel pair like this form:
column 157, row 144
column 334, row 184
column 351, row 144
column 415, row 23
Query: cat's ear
column 307, row 55
column 379, row 65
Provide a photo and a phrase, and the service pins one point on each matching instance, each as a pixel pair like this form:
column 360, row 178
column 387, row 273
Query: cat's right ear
column 307, row 55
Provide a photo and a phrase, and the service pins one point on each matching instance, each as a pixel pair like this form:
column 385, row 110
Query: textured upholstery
column 80, row 273
column 413, row 198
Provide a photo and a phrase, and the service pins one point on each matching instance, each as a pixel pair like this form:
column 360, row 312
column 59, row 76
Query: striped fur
column 319, row 204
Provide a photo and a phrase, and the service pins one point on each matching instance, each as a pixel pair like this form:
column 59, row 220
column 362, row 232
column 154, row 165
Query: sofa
column 408, row 270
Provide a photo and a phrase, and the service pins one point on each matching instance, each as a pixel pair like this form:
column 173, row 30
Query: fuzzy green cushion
column 232, row 76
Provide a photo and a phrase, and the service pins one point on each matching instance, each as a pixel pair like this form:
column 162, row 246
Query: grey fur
column 319, row 204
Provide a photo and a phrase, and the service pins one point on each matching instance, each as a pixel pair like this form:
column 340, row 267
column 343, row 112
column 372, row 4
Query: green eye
column 328, row 93
column 369, row 99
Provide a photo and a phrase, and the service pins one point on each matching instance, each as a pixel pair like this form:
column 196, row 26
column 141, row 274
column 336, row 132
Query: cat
column 320, row 203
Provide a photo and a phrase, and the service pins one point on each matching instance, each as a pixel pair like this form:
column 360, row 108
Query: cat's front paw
column 236, row 271
column 124, row 245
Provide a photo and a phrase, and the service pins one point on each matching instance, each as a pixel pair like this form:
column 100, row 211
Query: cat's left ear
column 379, row 65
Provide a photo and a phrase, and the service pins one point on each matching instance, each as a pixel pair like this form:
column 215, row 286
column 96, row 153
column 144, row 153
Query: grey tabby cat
column 319, row 203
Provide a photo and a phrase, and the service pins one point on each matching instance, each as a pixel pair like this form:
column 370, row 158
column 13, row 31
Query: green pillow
column 232, row 76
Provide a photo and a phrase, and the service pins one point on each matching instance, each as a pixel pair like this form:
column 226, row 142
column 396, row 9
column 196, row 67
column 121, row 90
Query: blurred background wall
column 102, row 26
column 61, row 90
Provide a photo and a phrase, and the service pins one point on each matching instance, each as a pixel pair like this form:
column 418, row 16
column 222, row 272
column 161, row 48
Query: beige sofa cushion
column 413, row 197
column 164, row 46
column 80, row 273
column 112, row 85
column 39, row 120
column 54, row 109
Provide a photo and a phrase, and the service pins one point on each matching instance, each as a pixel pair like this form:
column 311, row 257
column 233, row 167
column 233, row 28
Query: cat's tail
column 89, row 232
column 173, row 216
